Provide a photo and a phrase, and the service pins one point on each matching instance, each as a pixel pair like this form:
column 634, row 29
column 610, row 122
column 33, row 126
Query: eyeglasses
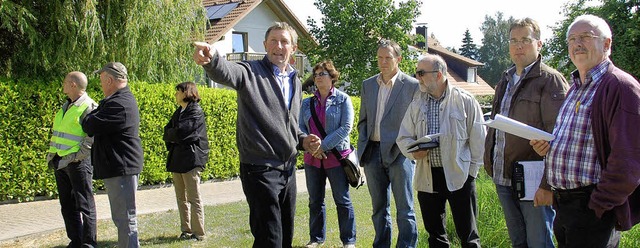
column 582, row 38
column 421, row 73
column 524, row 41
column 321, row 74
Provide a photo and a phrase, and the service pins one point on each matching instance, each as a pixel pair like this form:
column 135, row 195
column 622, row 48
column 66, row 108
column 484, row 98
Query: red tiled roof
column 435, row 45
column 244, row 7
column 215, row 32
column 480, row 88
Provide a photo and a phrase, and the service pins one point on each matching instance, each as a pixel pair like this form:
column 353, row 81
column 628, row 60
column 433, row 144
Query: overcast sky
column 448, row 19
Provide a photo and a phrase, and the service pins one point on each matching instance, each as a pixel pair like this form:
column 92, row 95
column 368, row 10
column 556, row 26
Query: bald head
column 78, row 78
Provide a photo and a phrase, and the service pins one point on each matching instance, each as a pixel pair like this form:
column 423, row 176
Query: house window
column 239, row 42
column 472, row 73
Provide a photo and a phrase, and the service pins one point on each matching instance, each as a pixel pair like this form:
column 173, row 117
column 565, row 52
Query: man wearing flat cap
column 117, row 150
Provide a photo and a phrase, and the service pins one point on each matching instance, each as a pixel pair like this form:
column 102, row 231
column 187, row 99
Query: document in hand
column 526, row 178
column 517, row 128
column 423, row 143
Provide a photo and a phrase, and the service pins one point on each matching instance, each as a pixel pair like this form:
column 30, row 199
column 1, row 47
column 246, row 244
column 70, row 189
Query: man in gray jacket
column 445, row 173
column 385, row 98
column 269, row 98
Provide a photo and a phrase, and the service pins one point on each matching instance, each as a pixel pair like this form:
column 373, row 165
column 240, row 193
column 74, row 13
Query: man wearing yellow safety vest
column 69, row 155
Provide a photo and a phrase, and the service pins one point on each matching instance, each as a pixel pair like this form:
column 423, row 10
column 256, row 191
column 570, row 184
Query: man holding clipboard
column 532, row 93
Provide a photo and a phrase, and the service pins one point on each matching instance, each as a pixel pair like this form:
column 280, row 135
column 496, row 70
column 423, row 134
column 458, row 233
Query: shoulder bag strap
column 320, row 127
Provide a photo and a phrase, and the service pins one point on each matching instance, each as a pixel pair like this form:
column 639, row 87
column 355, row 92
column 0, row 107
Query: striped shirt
column 505, row 108
column 284, row 79
column 433, row 127
column 572, row 161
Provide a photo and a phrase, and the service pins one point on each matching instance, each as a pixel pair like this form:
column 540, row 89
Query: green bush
column 26, row 115
column 27, row 110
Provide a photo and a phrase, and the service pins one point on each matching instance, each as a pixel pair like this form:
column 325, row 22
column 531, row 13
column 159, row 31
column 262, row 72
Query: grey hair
column 436, row 61
column 599, row 24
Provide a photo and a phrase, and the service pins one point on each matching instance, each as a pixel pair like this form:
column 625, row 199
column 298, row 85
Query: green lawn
column 228, row 225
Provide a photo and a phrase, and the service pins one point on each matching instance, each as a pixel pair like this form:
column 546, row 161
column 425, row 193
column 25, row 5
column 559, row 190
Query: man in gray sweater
column 268, row 138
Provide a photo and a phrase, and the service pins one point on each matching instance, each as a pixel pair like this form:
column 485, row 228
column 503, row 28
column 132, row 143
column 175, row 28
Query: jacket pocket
column 527, row 110
column 201, row 155
column 459, row 123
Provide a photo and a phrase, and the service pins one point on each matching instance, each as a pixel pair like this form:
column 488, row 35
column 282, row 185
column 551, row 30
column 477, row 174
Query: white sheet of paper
column 533, row 172
column 517, row 128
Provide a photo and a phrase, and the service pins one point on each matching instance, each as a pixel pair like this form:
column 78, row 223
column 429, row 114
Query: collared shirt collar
column 444, row 93
column 317, row 92
column 513, row 75
column 594, row 74
column 80, row 99
column 288, row 71
column 390, row 82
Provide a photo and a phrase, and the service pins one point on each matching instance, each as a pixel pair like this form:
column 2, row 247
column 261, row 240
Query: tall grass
column 228, row 225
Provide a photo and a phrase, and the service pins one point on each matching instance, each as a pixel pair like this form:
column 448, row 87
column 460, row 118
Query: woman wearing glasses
column 329, row 115
column 186, row 139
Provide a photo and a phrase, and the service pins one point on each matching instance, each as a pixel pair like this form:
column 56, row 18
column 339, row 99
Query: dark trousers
column 78, row 208
column 463, row 206
column 271, row 195
column 576, row 225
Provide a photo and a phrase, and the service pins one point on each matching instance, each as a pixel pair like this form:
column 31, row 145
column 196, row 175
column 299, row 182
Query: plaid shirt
column 572, row 159
column 433, row 127
column 505, row 107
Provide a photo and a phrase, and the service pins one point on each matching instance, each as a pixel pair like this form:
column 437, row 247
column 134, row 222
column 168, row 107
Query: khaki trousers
column 187, row 186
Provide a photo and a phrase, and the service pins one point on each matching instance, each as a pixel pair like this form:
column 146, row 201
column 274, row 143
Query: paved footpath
column 22, row 219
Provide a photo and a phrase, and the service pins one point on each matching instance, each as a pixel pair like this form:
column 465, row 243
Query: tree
column 350, row 31
column 624, row 20
column 469, row 49
column 152, row 38
column 494, row 52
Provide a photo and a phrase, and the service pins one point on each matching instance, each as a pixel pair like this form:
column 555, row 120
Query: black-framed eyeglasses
column 421, row 73
column 321, row 74
column 524, row 41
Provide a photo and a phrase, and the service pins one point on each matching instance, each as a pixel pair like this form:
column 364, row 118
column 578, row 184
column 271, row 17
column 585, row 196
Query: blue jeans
column 316, row 183
column 122, row 198
column 398, row 177
column 528, row 226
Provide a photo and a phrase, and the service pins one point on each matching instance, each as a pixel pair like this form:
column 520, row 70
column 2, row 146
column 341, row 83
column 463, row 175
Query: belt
column 570, row 194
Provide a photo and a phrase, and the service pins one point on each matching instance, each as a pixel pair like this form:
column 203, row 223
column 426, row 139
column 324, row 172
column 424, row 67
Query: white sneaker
column 313, row 244
column 349, row 246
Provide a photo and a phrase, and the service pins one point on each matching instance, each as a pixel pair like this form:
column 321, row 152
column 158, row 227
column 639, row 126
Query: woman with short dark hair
column 186, row 139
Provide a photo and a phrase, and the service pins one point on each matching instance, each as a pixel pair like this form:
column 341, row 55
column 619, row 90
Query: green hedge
column 26, row 115
column 27, row 110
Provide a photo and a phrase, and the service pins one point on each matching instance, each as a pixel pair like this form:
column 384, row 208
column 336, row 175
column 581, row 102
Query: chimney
column 421, row 30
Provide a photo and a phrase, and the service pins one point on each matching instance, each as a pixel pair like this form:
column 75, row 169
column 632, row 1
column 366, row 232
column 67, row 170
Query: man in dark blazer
column 385, row 98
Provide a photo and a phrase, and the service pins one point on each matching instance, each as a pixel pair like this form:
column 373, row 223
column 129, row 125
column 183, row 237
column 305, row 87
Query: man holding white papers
column 593, row 164
column 448, row 172
column 529, row 92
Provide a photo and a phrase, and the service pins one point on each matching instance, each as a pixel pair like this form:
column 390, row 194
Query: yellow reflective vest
column 67, row 131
